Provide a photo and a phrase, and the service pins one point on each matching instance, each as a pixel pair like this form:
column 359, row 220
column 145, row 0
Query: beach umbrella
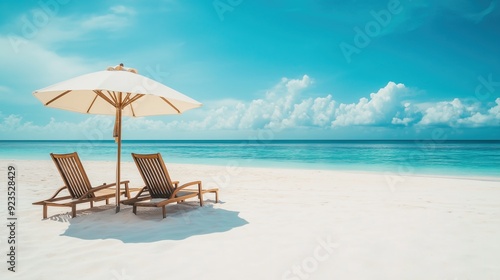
column 115, row 92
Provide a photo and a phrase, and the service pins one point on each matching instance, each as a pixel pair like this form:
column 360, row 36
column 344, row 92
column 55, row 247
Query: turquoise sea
column 464, row 158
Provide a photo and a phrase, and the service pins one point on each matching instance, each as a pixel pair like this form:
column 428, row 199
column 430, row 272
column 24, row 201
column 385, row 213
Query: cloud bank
column 284, row 107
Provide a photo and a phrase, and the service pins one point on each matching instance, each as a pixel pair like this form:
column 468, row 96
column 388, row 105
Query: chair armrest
column 101, row 187
column 187, row 185
column 144, row 189
column 140, row 196
column 58, row 191
column 52, row 197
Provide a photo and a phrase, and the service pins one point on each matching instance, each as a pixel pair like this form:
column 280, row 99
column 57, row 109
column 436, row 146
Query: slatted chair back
column 155, row 175
column 73, row 174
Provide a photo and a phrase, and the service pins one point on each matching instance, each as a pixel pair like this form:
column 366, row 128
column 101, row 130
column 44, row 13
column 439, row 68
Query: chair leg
column 91, row 204
column 164, row 210
column 134, row 209
column 73, row 211
column 45, row 211
column 127, row 191
column 107, row 201
column 216, row 196
column 200, row 195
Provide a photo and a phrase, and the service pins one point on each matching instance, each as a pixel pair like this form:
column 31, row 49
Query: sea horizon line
column 256, row 140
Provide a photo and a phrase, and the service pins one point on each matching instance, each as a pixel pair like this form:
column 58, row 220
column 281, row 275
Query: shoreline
column 397, row 158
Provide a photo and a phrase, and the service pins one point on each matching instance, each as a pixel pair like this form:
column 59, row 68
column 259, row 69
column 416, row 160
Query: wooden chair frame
column 158, row 185
column 78, row 186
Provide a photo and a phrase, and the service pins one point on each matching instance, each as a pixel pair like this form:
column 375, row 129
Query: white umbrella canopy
column 119, row 93
column 96, row 93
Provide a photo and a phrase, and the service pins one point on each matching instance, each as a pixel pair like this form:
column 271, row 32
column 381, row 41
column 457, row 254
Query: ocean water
column 463, row 158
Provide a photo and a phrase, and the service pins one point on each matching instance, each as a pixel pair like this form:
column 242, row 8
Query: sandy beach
column 270, row 224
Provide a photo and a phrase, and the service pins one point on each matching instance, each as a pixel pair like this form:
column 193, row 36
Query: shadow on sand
column 183, row 220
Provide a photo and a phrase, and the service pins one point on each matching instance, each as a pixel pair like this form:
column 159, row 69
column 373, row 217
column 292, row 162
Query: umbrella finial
column 121, row 67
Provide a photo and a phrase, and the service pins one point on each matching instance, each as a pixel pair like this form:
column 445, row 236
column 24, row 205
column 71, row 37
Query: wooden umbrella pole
column 118, row 156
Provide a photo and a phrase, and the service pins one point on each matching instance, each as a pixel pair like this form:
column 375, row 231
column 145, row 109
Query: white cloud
column 111, row 22
column 281, row 108
column 120, row 9
column 119, row 17
column 323, row 110
column 443, row 113
column 92, row 128
column 402, row 118
column 478, row 119
column 495, row 111
column 404, row 121
column 278, row 108
column 4, row 88
column 456, row 114
column 37, row 64
column 378, row 110
column 54, row 29
column 473, row 11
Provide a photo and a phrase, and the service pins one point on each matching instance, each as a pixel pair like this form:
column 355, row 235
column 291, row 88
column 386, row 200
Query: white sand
column 271, row 224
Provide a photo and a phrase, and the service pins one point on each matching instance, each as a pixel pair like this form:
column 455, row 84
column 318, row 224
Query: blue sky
column 276, row 69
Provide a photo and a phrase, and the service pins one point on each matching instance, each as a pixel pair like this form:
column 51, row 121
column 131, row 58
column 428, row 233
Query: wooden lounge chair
column 159, row 189
column 78, row 185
